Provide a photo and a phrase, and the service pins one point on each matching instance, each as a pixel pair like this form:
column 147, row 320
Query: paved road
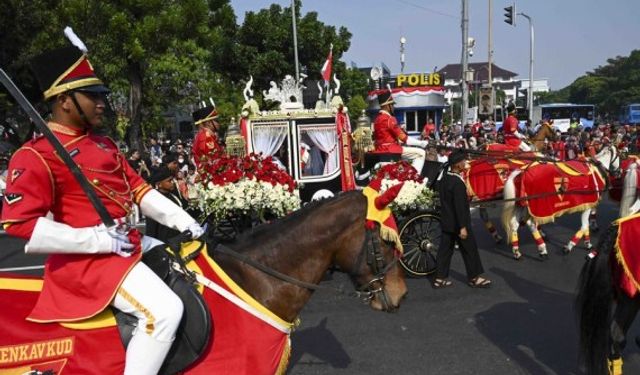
column 524, row 324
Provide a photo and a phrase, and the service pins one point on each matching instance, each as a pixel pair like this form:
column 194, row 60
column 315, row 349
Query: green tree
column 265, row 46
column 149, row 56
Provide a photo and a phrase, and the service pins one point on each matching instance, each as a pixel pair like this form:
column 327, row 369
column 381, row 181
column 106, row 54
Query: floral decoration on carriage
column 414, row 194
column 250, row 185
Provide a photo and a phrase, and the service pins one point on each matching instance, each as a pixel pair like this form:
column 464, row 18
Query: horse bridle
column 372, row 251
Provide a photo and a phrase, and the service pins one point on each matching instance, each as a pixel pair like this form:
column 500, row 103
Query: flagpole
column 327, row 81
column 295, row 40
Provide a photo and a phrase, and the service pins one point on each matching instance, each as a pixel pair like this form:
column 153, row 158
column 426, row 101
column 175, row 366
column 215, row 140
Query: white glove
column 416, row 143
column 120, row 243
column 196, row 230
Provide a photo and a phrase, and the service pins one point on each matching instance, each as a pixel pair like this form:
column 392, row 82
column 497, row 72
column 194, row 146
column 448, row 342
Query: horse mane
column 279, row 225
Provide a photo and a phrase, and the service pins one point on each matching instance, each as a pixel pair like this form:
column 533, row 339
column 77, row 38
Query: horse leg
column 514, row 224
column 484, row 215
column 584, row 231
column 542, row 247
column 626, row 310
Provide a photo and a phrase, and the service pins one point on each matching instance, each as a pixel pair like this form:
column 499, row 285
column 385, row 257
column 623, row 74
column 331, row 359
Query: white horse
column 514, row 214
column 630, row 202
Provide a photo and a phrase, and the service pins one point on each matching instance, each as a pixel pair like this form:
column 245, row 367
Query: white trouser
column 524, row 147
column 415, row 155
column 159, row 311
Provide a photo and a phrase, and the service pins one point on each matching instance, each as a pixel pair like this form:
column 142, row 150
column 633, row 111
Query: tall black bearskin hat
column 66, row 69
column 205, row 114
column 385, row 98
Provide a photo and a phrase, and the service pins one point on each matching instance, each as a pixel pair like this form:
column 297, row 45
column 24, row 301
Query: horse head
column 609, row 158
column 371, row 260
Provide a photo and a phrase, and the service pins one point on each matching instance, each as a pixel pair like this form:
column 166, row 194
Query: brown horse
column 301, row 246
column 544, row 133
column 304, row 245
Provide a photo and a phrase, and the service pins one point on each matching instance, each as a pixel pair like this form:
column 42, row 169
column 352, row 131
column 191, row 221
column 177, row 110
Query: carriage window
column 269, row 138
column 318, row 150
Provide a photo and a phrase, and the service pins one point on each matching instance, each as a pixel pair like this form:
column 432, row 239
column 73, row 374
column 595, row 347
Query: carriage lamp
column 235, row 144
column 362, row 136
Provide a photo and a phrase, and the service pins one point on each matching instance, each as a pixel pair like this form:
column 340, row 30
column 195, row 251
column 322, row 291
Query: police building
column 418, row 96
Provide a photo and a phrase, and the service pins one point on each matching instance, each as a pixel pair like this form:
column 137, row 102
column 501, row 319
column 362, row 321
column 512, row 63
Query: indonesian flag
column 326, row 68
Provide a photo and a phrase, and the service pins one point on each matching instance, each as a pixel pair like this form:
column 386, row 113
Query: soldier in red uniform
column 206, row 141
column 512, row 136
column 389, row 137
column 90, row 266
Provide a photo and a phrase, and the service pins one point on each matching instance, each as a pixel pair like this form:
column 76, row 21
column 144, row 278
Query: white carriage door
column 327, row 141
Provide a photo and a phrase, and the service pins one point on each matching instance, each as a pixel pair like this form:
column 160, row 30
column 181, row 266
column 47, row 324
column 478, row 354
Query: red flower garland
column 401, row 171
column 221, row 169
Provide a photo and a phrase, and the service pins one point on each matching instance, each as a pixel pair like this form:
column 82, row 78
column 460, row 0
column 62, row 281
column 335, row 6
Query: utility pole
column 465, row 59
column 403, row 40
column 531, row 40
column 295, row 39
column 490, row 48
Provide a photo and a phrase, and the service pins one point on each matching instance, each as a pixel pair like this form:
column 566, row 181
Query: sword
column 64, row 155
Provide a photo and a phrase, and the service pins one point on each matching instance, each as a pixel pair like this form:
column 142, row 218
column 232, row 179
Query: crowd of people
column 576, row 141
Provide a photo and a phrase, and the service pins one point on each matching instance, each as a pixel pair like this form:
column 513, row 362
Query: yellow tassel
column 391, row 235
column 615, row 366
column 284, row 359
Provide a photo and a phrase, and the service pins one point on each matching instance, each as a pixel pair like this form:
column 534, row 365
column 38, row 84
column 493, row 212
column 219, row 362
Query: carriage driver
column 90, row 266
column 389, row 137
column 206, row 141
column 512, row 136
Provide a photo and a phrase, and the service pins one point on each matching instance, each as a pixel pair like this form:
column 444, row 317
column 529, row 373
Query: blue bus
column 563, row 113
column 630, row 114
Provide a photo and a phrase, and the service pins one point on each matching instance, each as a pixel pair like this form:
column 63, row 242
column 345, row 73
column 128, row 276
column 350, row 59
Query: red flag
column 326, row 68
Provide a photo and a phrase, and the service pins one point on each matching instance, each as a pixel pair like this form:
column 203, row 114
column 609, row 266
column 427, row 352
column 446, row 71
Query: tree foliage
column 159, row 55
column 608, row 87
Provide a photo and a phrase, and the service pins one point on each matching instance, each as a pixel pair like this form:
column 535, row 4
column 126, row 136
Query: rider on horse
column 390, row 138
column 512, row 136
column 90, row 266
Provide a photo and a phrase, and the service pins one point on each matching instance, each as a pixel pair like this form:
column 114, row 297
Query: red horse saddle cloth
column 549, row 190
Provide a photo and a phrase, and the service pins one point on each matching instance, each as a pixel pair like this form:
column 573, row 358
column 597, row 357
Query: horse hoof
column 544, row 255
column 566, row 250
column 517, row 256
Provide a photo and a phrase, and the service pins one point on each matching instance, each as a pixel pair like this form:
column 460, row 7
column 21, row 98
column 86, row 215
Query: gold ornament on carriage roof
column 362, row 135
column 235, row 143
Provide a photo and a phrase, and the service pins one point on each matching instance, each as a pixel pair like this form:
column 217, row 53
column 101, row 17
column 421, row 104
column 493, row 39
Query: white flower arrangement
column 413, row 195
column 246, row 197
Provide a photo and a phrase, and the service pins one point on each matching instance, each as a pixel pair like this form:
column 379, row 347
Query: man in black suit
column 162, row 180
column 456, row 227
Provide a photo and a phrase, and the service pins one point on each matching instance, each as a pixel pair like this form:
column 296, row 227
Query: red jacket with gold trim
column 205, row 142
column 76, row 286
column 510, row 128
column 387, row 134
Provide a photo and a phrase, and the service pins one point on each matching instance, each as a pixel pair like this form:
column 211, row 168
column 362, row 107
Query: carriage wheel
column 420, row 237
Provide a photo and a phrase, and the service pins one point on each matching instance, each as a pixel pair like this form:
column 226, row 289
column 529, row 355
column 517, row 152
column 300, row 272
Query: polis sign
column 418, row 79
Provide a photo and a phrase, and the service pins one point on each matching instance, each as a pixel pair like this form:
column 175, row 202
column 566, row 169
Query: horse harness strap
column 269, row 271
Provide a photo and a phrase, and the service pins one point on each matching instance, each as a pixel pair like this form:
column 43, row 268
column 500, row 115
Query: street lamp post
column 530, row 94
column 465, row 58
column 295, row 39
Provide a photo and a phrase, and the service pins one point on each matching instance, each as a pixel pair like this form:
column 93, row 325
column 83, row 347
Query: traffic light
column 510, row 15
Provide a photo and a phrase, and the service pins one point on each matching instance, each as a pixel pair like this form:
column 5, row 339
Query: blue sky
column 571, row 36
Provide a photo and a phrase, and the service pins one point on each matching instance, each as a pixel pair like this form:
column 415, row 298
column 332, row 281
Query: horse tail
column 593, row 305
column 629, row 190
column 509, row 196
